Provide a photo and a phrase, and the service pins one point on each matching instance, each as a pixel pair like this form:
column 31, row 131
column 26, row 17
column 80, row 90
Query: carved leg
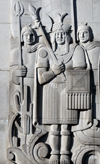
column 65, row 144
column 54, row 140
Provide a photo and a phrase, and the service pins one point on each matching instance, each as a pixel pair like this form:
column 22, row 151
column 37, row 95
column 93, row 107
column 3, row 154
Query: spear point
column 18, row 9
column 32, row 11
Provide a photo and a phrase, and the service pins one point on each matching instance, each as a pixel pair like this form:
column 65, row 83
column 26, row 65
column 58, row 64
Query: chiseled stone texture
column 4, row 76
column 4, row 106
column 4, row 46
column 88, row 11
column 4, row 11
column 53, row 7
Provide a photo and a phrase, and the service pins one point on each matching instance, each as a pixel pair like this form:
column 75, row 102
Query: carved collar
column 65, row 57
column 31, row 48
column 91, row 45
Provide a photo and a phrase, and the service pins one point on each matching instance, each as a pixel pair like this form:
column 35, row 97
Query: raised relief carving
column 89, row 137
column 54, row 90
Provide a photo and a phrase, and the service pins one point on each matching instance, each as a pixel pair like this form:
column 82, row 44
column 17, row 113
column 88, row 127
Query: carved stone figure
column 51, row 76
column 54, row 103
column 22, row 67
column 26, row 70
column 92, row 49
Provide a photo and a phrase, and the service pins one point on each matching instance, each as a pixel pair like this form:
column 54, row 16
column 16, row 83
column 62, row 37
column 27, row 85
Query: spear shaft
column 20, row 54
column 49, row 49
column 18, row 10
column 73, row 19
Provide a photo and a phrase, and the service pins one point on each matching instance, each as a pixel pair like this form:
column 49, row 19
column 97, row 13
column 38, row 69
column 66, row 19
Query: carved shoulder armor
column 79, row 60
column 42, row 59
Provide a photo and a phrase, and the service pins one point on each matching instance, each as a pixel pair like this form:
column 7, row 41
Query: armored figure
column 92, row 48
column 51, row 77
column 22, row 76
column 26, row 68
column 54, row 88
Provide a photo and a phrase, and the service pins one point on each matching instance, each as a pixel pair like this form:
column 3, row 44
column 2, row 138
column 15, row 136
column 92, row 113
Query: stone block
column 45, row 3
column 96, row 16
column 96, row 2
column 96, row 30
column 4, row 46
column 4, row 87
column 84, row 11
column 5, row 14
column 46, row 10
column 3, row 140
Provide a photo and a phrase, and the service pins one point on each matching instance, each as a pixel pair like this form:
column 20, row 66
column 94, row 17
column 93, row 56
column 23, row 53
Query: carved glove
column 58, row 68
column 20, row 71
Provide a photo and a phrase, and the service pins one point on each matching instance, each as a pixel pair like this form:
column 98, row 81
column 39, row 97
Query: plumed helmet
column 60, row 25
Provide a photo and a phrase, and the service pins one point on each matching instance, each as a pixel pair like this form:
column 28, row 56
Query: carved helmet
column 84, row 27
column 27, row 28
column 60, row 25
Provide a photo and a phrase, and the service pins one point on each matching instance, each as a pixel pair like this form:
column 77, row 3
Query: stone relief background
column 87, row 11
column 4, row 76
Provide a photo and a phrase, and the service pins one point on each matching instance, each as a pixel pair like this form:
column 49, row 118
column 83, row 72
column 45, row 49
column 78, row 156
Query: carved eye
column 86, row 32
column 57, row 34
column 26, row 35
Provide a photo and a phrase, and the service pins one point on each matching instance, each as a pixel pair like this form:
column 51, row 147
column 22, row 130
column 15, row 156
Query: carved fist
column 20, row 71
column 58, row 68
column 37, row 23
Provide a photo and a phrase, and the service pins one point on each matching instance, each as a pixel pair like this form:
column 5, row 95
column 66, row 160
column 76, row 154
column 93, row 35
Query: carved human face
column 60, row 37
column 28, row 38
column 84, row 36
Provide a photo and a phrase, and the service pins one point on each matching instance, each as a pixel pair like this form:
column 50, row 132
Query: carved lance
column 33, row 12
column 18, row 11
column 99, row 79
column 73, row 20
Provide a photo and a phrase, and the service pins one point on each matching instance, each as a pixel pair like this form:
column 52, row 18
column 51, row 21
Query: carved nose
column 28, row 37
column 82, row 35
column 59, row 35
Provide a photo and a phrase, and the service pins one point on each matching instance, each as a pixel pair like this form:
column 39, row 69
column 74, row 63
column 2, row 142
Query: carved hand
column 37, row 23
column 58, row 68
column 20, row 71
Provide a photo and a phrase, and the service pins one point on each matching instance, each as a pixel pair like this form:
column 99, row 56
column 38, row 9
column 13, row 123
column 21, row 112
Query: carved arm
column 45, row 75
column 18, row 72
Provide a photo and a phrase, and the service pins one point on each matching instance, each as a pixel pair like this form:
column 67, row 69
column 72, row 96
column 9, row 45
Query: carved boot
column 65, row 144
column 65, row 159
column 54, row 159
column 54, row 140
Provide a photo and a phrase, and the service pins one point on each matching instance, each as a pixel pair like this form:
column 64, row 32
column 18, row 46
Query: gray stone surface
column 3, row 140
column 4, row 76
column 4, row 111
column 5, row 11
column 63, row 113
column 5, row 46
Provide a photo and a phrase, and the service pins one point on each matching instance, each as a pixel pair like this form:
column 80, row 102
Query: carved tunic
column 54, row 107
column 28, row 60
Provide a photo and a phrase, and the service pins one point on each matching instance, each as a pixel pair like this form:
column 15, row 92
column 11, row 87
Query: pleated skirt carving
column 54, row 105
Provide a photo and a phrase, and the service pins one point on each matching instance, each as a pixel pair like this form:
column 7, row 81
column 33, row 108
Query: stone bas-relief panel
column 54, row 88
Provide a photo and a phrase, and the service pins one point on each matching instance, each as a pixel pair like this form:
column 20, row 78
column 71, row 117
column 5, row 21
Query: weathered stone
column 50, row 82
